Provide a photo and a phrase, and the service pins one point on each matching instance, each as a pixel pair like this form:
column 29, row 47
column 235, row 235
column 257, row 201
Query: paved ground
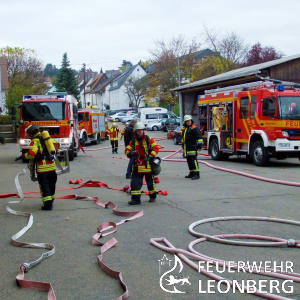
column 73, row 270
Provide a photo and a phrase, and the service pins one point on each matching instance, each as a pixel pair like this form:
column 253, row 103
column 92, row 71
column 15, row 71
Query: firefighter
column 114, row 137
column 123, row 130
column 191, row 142
column 128, row 136
column 46, row 173
column 143, row 148
column 106, row 130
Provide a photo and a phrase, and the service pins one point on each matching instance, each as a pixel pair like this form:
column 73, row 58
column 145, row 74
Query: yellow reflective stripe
column 200, row 141
column 52, row 197
column 48, row 198
column 136, row 192
column 152, row 192
column 153, row 144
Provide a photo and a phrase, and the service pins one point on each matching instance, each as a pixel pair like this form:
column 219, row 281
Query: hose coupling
column 25, row 266
column 291, row 242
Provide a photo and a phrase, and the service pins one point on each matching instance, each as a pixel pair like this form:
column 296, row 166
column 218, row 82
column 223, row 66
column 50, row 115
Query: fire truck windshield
column 33, row 111
column 289, row 108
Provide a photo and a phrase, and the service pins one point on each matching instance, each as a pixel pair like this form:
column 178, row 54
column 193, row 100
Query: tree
column 124, row 65
column 135, row 89
column 25, row 74
column 230, row 48
column 259, row 54
column 165, row 76
column 66, row 81
column 50, row 70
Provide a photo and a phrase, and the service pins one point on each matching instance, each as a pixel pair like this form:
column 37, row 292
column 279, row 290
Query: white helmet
column 187, row 118
column 138, row 125
column 127, row 123
column 114, row 124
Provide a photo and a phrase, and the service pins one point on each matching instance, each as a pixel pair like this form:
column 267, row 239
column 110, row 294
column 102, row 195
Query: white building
column 3, row 82
column 118, row 98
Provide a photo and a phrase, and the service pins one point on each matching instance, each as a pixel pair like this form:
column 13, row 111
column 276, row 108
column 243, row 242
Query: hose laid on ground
column 195, row 255
column 29, row 284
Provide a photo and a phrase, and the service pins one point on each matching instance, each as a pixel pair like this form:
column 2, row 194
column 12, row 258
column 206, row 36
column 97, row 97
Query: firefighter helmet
column 187, row 118
column 114, row 124
column 138, row 125
column 32, row 128
column 155, row 165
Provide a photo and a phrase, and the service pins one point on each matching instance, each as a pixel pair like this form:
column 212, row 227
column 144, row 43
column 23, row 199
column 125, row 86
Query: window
column 244, row 108
column 137, row 69
column 252, row 107
column 269, row 107
column 163, row 116
column 151, row 116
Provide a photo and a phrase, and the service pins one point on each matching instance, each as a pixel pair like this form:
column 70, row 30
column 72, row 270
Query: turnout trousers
column 137, row 183
column 47, row 181
column 192, row 163
column 114, row 146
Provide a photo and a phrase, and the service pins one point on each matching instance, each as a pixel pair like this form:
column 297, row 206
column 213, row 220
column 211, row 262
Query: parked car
column 117, row 117
column 129, row 118
column 177, row 139
column 155, row 125
column 166, row 122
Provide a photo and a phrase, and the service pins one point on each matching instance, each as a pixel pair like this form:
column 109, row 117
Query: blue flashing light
column 291, row 132
column 26, row 97
column 280, row 88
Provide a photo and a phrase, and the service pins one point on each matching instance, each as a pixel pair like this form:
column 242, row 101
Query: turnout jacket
column 141, row 146
column 36, row 151
column 190, row 137
column 113, row 133
column 122, row 133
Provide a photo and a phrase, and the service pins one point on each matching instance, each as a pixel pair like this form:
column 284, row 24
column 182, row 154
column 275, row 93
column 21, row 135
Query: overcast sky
column 101, row 33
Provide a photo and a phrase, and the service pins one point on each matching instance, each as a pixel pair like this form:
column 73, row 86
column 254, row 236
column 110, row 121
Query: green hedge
column 5, row 119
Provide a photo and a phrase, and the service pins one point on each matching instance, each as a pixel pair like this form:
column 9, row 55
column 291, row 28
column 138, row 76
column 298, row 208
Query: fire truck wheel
column 71, row 152
column 214, row 150
column 83, row 140
column 259, row 154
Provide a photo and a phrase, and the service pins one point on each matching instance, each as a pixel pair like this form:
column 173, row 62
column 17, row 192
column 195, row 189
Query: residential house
column 89, row 96
column 118, row 98
column 101, row 91
column 3, row 82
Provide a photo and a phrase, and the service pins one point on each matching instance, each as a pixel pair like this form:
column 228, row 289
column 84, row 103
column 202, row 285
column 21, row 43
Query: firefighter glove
column 129, row 154
column 199, row 145
column 18, row 158
column 135, row 154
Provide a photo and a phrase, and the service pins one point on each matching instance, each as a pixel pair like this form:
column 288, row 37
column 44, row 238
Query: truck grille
column 293, row 132
column 52, row 130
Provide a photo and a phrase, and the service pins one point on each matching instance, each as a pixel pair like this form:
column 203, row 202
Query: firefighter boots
column 152, row 199
column 48, row 205
column 134, row 202
column 196, row 176
column 190, row 175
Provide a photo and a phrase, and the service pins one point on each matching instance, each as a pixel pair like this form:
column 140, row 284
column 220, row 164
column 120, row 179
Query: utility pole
column 84, row 85
column 178, row 71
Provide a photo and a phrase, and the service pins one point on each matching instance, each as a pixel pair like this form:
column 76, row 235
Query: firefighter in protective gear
column 191, row 142
column 143, row 148
column 46, row 173
column 106, row 130
column 114, row 137
column 123, row 131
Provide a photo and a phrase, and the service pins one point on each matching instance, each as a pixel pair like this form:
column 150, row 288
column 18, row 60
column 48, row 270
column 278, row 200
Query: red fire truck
column 259, row 119
column 91, row 125
column 55, row 113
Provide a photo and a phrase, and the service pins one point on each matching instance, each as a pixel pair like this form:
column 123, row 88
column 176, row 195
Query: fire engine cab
column 259, row 119
column 56, row 114
column 91, row 125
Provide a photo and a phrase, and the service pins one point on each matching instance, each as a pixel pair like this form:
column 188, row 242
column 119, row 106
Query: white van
column 150, row 114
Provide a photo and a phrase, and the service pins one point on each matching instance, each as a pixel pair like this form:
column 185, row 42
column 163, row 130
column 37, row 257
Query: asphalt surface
column 74, row 271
